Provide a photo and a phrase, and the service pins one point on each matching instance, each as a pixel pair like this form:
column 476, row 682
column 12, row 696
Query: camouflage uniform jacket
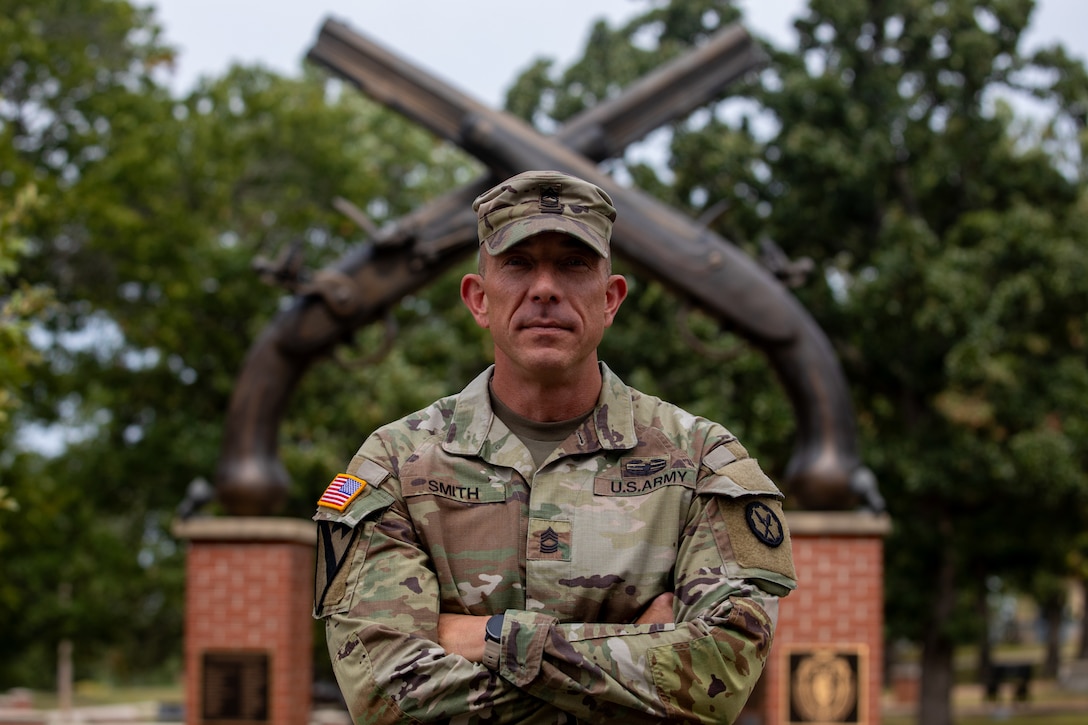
column 642, row 498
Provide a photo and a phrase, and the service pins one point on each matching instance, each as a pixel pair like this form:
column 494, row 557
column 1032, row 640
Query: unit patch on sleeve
column 754, row 535
column 334, row 542
column 341, row 492
column 764, row 523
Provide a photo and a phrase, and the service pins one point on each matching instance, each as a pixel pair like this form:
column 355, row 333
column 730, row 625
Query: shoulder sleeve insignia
column 342, row 491
column 764, row 524
column 334, row 545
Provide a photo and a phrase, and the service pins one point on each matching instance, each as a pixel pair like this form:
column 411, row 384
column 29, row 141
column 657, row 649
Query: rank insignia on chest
column 341, row 492
column 549, row 540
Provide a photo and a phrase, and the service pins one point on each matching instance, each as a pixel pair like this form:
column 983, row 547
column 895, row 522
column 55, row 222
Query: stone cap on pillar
column 246, row 529
column 838, row 523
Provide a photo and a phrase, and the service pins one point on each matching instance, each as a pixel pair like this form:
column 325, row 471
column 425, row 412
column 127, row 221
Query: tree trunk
column 1052, row 612
column 937, row 647
column 64, row 679
column 985, row 648
column 1082, row 648
column 935, row 707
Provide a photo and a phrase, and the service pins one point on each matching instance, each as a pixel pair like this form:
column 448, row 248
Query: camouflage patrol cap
column 534, row 202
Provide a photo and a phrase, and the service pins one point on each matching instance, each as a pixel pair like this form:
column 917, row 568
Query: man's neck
column 547, row 400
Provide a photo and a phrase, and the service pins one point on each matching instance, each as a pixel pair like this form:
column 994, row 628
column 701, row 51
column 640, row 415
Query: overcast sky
column 479, row 46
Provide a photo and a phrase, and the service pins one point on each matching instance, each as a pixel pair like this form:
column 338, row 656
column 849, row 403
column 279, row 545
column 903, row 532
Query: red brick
column 243, row 595
column 839, row 601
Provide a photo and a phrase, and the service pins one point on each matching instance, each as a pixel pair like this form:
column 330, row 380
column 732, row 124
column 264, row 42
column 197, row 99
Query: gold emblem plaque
column 826, row 683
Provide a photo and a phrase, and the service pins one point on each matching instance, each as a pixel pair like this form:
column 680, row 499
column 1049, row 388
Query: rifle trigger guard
column 337, row 290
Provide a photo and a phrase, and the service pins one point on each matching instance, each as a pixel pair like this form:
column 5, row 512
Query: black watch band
column 492, row 637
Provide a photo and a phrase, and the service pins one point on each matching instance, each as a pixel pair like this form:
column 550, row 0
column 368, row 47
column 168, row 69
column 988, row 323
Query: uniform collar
column 474, row 425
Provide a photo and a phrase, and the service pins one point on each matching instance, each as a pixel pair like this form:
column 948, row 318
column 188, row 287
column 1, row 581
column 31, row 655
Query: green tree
column 152, row 211
column 957, row 246
column 21, row 304
column 64, row 69
column 660, row 342
column 949, row 235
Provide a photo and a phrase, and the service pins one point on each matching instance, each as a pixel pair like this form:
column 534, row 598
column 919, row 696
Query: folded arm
column 693, row 656
column 700, row 669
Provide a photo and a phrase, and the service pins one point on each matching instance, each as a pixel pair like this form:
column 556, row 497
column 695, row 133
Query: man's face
column 547, row 302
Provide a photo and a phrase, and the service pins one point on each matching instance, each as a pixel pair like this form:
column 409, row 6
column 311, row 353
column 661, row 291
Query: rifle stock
column 250, row 479
column 674, row 89
column 824, row 464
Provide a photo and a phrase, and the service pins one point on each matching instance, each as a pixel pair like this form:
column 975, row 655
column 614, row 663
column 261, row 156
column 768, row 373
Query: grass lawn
column 90, row 694
column 1048, row 704
column 1012, row 719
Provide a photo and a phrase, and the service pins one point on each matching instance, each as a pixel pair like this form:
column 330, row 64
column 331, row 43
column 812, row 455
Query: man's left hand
column 462, row 634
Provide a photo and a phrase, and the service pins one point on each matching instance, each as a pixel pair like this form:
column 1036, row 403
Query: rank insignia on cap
column 549, row 199
column 342, row 491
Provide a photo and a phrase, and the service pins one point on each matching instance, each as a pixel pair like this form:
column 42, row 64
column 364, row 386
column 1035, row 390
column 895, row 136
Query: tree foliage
column 947, row 224
column 151, row 211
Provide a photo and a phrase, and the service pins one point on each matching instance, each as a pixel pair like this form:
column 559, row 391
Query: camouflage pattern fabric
column 642, row 498
column 535, row 202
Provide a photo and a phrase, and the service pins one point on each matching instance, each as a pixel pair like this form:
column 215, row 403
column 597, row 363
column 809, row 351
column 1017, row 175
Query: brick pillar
column 828, row 649
column 248, row 629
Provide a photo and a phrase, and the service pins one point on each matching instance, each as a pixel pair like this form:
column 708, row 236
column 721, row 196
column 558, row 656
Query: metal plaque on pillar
column 235, row 688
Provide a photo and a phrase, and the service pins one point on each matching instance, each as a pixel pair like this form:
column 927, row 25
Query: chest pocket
column 434, row 476
column 342, row 541
column 638, row 476
column 750, row 530
column 463, row 490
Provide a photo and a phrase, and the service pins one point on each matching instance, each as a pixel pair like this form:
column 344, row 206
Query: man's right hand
column 659, row 611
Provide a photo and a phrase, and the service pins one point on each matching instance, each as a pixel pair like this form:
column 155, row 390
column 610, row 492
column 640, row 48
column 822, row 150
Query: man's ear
column 614, row 295
column 475, row 299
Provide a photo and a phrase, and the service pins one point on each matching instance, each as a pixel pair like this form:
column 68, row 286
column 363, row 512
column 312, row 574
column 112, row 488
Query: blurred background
column 927, row 158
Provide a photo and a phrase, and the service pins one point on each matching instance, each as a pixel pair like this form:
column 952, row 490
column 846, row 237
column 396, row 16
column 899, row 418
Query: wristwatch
column 492, row 638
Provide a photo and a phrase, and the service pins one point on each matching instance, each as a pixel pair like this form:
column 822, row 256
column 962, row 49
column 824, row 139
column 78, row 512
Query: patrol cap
column 534, row 202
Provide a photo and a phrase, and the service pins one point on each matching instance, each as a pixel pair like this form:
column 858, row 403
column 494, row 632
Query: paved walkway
column 139, row 713
column 131, row 714
column 1045, row 698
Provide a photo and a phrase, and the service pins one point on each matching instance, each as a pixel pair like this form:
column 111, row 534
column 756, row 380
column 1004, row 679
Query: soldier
column 549, row 545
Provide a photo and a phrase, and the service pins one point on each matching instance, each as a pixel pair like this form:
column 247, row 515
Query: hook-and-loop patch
column 751, row 534
column 354, row 498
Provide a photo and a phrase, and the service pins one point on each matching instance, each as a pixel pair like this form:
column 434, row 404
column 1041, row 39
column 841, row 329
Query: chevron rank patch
column 334, row 542
column 341, row 492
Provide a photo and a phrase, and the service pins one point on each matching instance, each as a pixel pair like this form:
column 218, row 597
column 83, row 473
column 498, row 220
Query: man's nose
column 544, row 286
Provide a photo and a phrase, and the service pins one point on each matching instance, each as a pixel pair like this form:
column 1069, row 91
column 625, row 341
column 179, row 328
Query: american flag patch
column 342, row 491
